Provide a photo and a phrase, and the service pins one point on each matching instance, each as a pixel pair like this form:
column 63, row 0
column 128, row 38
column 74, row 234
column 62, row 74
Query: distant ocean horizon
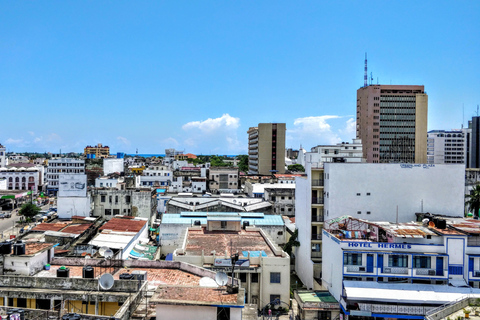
column 149, row 155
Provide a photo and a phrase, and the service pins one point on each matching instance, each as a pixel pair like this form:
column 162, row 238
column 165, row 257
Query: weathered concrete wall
column 64, row 283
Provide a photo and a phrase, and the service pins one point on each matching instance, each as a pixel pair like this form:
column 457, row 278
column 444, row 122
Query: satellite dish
column 102, row 250
column 108, row 254
column 106, row 281
column 221, row 278
column 207, row 282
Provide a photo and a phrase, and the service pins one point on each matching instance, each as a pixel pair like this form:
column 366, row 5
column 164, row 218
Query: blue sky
column 195, row 75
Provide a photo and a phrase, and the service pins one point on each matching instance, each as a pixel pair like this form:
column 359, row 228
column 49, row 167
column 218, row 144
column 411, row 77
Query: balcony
column 316, row 236
column 316, row 254
column 317, row 183
column 394, row 270
column 317, row 200
column 318, row 218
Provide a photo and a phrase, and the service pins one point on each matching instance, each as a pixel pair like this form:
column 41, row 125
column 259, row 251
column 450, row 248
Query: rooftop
column 223, row 241
column 124, row 224
column 253, row 218
column 316, row 296
column 194, row 295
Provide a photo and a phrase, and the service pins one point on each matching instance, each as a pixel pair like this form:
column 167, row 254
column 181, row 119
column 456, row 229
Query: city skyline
column 195, row 77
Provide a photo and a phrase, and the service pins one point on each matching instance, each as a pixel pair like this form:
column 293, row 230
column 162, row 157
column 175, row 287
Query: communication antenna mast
column 371, row 78
column 365, row 76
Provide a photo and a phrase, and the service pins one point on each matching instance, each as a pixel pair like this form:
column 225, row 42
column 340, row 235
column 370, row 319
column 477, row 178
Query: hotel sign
column 379, row 245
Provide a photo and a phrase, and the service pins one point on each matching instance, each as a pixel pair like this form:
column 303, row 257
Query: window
column 102, row 198
column 127, row 199
column 352, row 259
column 397, row 260
column 422, row 262
column 368, row 212
column 116, row 199
column 368, row 193
column 254, row 277
column 358, row 194
column 116, row 211
column 274, row 277
column 110, row 199
column 274, row 297
column 108, row 212
column 243, row 277
column 223, row 224
column 359, row 212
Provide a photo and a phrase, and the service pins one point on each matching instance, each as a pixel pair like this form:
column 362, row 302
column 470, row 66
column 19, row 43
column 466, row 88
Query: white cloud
column 124, row 140
column 14, row 141
column 215, row 135
column 315, row 130
column 31, row 133
column 209, row 125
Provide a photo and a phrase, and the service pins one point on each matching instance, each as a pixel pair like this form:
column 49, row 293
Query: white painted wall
column 274, row 264
column 332, row 262
column 440, row 187
column 185, row 312
column 26, row 265
column 106, row 183
column 303, row 199
column 112, row 165
column 73, row 206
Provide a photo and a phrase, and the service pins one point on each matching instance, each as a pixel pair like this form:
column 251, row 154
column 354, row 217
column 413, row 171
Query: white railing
column 394, row 309
column 395, row 270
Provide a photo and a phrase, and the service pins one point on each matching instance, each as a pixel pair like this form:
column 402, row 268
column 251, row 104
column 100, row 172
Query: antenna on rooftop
column 365, row 76
column 221, row 278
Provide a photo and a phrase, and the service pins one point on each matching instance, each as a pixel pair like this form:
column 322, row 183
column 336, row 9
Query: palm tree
column 473, row 202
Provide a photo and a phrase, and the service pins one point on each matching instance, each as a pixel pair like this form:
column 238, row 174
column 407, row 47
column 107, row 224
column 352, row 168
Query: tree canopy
column 473, row 202
column 292, row 242
column 296, row 168
column 243, row 163
column 29, row 210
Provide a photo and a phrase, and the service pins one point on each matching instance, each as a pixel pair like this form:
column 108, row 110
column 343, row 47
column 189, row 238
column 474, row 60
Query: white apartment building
column 404, row 270
column 369, row 191
column 444, row 147
column 62, row 166
column 223, row 179
column 19, row 177
column 341, row 152
column 156, row 175
column 3, row 157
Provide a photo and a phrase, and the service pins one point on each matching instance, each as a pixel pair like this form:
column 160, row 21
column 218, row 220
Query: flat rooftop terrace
column 226, row 241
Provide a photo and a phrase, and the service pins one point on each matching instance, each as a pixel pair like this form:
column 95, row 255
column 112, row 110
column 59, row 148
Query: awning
column 408, row 293
column 458, row 282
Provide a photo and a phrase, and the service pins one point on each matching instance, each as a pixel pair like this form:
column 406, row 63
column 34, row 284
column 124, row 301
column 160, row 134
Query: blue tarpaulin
column 169, row 257
column 254, row 254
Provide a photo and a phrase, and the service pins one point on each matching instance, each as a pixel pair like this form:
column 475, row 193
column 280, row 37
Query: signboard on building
column 72, row 185
column 223, row 263
column 242, row 263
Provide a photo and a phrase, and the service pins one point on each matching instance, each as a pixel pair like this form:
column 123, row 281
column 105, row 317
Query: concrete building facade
column 223, row 179
column 444, row 147
column 3, row 156
column 62, row 166
column 392, row 123
column 97, row 152
column 266, row 148
column 369, row 191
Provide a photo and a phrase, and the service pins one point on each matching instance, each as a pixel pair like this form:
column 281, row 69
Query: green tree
column 243, row 163
column 216, row 161
column 296, row 168
column 292, row 242
column 473, row 202
column 29, row 210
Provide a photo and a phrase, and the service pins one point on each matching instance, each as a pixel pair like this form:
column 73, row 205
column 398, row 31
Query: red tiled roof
column 119, row 224
column 221, row 241
column 198, row 295
column 77, row 228
column 162, row 276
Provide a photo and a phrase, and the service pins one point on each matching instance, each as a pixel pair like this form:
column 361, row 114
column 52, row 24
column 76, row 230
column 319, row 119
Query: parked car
column 2, row 215
column 7, row 214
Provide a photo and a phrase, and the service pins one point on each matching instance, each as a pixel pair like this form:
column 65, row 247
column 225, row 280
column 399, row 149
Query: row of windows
column 54, row 164
column 396, row 136
column 103, row 198
column 397, row 98
column 108, row 212
column 394, row 260
column 397, row 110
column 397, row 117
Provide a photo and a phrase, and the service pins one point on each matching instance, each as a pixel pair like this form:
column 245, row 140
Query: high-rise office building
column 392, row 123
column 266, row 148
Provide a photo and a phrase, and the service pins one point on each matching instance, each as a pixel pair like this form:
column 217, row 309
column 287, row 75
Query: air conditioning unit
column 387, row 270
column 431, row 272
column 361, row 269
column 477, row 273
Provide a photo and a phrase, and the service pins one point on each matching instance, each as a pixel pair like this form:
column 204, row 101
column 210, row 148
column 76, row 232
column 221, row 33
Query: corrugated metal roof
column 266, row 220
